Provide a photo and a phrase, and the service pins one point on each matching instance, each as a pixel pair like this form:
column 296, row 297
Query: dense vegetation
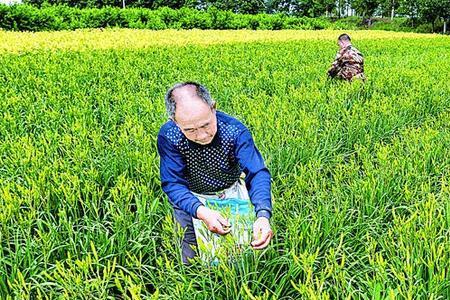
column 436, row 13
column 23, row 17
column 50, row 18
column 360, row 171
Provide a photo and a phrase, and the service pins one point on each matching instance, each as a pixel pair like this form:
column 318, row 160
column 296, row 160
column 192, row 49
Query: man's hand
column 213, row 220
column 262, row 233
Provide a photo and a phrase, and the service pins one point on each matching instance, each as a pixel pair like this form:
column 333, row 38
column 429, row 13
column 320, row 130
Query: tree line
column 430, row 11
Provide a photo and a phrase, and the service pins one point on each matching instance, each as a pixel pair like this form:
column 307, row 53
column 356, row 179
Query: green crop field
column 360, row 171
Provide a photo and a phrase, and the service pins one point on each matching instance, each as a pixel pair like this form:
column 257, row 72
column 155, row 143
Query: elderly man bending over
column 203, row 153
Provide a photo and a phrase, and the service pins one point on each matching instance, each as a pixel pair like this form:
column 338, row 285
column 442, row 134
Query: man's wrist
column 200, row 212
column 263, row 213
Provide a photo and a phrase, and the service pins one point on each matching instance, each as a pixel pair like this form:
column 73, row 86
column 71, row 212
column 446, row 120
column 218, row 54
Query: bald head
column 188, row 103
column 187, row 95
column 190, row 106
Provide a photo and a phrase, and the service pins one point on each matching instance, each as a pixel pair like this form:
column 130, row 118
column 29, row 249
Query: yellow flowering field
column 137, row 39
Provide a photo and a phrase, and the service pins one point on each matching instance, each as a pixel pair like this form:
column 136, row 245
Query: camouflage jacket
column 348, row 64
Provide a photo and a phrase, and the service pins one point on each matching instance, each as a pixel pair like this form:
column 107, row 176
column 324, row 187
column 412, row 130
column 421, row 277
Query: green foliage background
column 360, row 172
column 52, row 18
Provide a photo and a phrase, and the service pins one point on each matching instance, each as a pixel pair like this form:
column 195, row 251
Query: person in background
column 349, row 62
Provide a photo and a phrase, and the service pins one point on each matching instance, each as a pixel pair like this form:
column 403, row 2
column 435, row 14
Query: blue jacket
column 186, row 166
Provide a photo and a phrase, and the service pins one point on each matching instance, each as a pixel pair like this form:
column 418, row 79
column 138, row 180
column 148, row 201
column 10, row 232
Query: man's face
column 197, row 121
column 343, row 44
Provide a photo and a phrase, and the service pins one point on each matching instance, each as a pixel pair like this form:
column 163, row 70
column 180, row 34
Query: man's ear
column 214, row 105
